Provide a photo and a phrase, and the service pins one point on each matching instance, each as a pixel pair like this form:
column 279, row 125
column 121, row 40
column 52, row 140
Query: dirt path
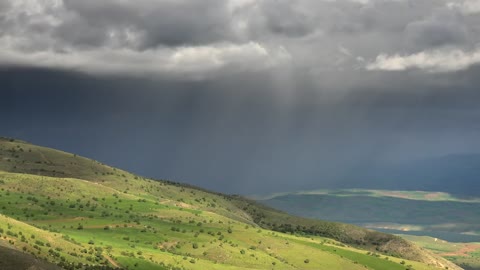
column 464, row 251
column 112, row 261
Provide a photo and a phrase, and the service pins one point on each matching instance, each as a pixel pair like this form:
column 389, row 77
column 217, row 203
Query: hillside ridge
column 31, row 169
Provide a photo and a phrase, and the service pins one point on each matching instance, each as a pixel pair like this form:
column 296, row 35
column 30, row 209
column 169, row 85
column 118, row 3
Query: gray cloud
column 113, row 35
column 440, row 29
column 236, row 133
column 168, row 23
column 246, row 89
column 300, row 22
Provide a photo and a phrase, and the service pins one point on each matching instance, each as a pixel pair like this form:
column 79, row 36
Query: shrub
column 40, row 243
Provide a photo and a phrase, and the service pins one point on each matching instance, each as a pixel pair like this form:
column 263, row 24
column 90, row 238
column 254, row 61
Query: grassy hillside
column 437, row 214
column 79, row 213
column 466, row 255
column 22, row 157
column 12, row 259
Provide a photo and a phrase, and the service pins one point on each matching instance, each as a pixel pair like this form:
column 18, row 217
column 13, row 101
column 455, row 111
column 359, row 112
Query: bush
column 40, row 243
column 306, row 261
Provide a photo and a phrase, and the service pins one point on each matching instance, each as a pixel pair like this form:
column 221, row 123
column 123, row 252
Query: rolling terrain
column 63, row 209
column 439, row 215
column 467, row 255
column 12, row 259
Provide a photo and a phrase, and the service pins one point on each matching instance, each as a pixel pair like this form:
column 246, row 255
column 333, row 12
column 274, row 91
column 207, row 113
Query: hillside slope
column 436, row 214
column 77, row 212
column 415, row 213
column 11, row 259
column 466, row 255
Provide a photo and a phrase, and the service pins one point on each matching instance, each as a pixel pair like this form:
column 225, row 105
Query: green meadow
column 80, row 214
column 419, row 216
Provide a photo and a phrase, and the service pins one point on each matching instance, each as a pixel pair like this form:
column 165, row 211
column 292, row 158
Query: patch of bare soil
column 463, row 251
column 112, row 261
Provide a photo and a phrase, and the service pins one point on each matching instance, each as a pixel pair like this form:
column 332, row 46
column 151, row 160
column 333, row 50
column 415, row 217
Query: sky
column 244, row 96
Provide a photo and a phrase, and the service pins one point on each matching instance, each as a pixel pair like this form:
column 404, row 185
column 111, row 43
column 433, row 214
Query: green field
column 80, row 214
column 466, row 255
column 414, row 213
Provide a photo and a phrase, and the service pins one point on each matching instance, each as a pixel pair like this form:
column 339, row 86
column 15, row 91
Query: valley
column 77, row 213
column 452, row 219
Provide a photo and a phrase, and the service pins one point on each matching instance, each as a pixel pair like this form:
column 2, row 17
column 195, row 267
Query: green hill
column 415, row 213
column 467, row 255
column 12, row 259
column 80, row 214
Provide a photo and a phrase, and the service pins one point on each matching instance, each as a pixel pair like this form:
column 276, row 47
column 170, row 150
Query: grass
column 136, row 233
column 21, row 260
column 72, row 211
column 371, row 260
column 437, row 214
column 466, row 255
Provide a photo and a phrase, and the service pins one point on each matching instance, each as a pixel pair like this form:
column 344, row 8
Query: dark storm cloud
column 201, row 38
column 234, row 134
column 273, row 16
column 169, row 23
column 243, row 95
column 441, row 28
